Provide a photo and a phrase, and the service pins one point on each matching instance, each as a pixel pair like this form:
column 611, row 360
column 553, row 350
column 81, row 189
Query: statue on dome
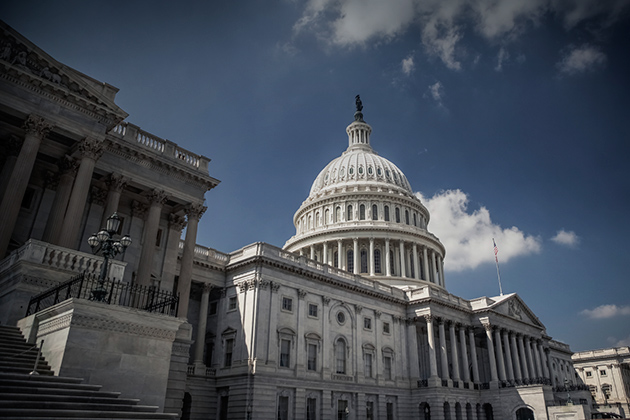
column 358, row 116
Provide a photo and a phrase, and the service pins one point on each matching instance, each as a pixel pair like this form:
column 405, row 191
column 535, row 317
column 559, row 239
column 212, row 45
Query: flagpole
column 496, row 258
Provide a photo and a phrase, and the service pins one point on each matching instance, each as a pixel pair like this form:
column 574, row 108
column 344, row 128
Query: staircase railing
column 146, row 298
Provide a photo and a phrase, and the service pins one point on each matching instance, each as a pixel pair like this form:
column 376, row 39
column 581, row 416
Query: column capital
column 116, row 182
column 157, row 197
column 326, row 300
column 301, row 294
column 34, row 124
column 428, row 317
column 68, row 165
column 207, row 287
column 138, row 209
column 90, row 148
column 377, row 314
column 176, row 221
column 410, row 321
column 358, row 308
column 195, row 211
column 275, row 286
column 98, row 195
column 13, row 145
column 488, row 327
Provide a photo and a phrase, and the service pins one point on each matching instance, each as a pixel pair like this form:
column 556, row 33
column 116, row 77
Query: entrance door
column 524, row 414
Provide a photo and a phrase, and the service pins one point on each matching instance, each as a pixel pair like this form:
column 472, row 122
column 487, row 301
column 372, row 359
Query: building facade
column 352, row 319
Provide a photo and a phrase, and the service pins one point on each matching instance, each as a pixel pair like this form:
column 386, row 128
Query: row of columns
column 421, row 256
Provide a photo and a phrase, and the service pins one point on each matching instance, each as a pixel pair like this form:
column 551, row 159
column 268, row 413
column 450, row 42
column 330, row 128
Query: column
column 194, row 213
column 492, row 359
column 517, row 362
column 312, row 255
column 176, row 223
column 200, row 340
column 499, row 354
column 371, row 258
column 462, row 344
column 508, row 356
column 549, row 367
column 90, row 150
column 116, row 184
column 67, row 170
column 325, row 253
column 388, row 268
column 434, row 278
column 425, row 264
column 416, row 265
column 443, row 353
column 340, row 256
column 536, row 351
column 356, row 257
column 11, row 149
column 473, row 354
column 530, row 359
column 442, row 272
column 414, row 367
column 454, row 356
column 431, row 340
column 35, row 128
column 403, row 269
column 545, row 370
column 145, row 264
column 523, row 356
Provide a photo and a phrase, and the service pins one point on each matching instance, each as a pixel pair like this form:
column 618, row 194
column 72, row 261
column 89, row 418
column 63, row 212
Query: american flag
column 496, row 251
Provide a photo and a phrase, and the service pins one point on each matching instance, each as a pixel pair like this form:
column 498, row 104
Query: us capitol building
column 351, row 319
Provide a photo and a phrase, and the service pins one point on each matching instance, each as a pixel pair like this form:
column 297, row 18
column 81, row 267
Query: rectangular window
column 312, row 310
column 287, row 304
column 213, row 308
column 229, row 346
column 311, row 409
column 602, row 372
column 369, row 410
column 311, row 363
column 367, row 323
column 223, row 408
column 589, row 374
column 342, row 409
column 283, row 408
column 285, row 349
column 232, row 303
column 385, row 327
column 340, row 353
column 367, row 358
column 387, row 367
column 390, row 411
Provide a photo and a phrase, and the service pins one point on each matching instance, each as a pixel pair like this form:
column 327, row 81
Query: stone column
column 312, row 254
column 416, row 265
column 549, row 367
column 388, row 267
column 433, row 273
column 194, row 213
column 517, row 362
column 530, row 359
column 156, row 199
column 536, row 350
column 454, row 356
column 523, row 357
column 442, row 272
column 508, row 356
column 325, row 253
column 499, row 354
column 443, row 352
column 462, row 344
column 545, row 370
column 403, row 269
column 414, row 366
column 355, row 256
column 473, row 354
column 432, row 356
column 116, row 184
column 35, row 128
column 492, row 359
column 340, row 256
column 176, row 223
column 200, row 340
column 371, row 260
column 67, row 170
column 425, row 264
column 90, row 150
column 11, row 151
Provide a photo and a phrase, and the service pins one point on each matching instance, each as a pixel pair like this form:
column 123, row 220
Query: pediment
column 27, row 65
column 513, row 306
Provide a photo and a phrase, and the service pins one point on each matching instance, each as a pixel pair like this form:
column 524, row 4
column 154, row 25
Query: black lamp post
column 104, row 241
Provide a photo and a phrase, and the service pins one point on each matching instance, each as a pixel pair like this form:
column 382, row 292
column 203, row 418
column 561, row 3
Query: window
column 213, row 308
column 312, row 310
column 387, row 367
column 362, row 212
column 391, row 263
column 406, row 216
column 340, row 356
column 229, row 346
column 364, row 261
column 287, row 304
column 285, row 353
column 377, row 261
column 338, row 214
column 336, row 259
column 415, row 220
column 369, row 410
column 351, row 261
column 390, row 411
column 158, row 238
column 397, row 215
column 341, row 317
column 327, row 216
column 232, row 303
column 311, row 409
column 367, row 361
column 223, row 407
column 385, row 327
column 374, row 212
column 386, row 209
column 602, row 372
column 589, row 374
column 311, row 357
column 342, row 410
column 349, row 213
column 367, row 323
column 283, row 408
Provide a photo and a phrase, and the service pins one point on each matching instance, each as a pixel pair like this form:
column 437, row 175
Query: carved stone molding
column 116, row 182
column 107, row 324
column 207, row 287
column 377, row 314
column 243, row 286
column 98, row 195
column 68, row 165
column 301, row 294
column 157, row 197
column 90, row 148
column 428, row 318
column 176, row 222
column 36, row 125
column 410, row 321
column 274, row 287
column 138, row 209
column 195, row 211
column 358, row 308
column 326, row 300
column 55, row 324
column 181, row 349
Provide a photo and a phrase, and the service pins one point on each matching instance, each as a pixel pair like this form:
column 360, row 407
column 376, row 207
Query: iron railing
column 146, row 298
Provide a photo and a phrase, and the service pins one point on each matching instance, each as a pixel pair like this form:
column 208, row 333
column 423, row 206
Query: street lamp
column 104, row 242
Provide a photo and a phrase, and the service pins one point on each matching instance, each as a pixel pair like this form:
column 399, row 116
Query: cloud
column 444, row 23
column 581, row 59
column 408, row 66
column 624, row 342
column 468, row 236
column 502, row 56
column 565, row 238
column 606, row 311
column 436, row 92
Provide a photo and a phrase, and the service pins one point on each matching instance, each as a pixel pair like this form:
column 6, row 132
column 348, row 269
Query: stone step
column 26, row 370
column 35, row 391
column 64, row 405
column 92, row 398
column 19, row 363
column 39, row 414
column 44, row 381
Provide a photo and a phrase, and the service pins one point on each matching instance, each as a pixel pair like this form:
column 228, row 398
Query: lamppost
column 104, row 242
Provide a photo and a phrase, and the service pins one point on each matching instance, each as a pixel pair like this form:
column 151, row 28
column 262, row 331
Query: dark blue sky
column 511, row 123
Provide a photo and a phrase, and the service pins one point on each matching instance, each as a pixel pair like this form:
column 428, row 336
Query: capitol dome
column 360, row 209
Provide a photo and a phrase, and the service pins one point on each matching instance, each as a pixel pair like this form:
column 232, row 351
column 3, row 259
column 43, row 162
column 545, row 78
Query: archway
column 524, row 413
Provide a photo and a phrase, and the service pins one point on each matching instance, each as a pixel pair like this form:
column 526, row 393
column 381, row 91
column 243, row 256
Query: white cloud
column 624, row 342
column 502, row 56
column 468, row 236
column 581, row 59
column 408, row 66
column 436, row 92
column 566, row 238
column 606, row 311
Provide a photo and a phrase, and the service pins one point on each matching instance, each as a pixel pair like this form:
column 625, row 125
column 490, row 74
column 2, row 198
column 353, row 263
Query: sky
column 509, row 119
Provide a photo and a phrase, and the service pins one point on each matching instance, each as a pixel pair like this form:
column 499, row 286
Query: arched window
column 447, row 411
column 350, row 261
column 425, row 411
column 421, row 268
column 336, row 259
column 349, row 213
column 524, row 413
column 487, row 409
column 386, row 210
column 310, row 221
column 327, row 216
column 318, row 219
column 415, row 220
column 338, row 214
column 340, row 356
column 364, row 261
column 362, row 212
column 458, row 411
column 397, row 215
column 374, row 212
column 407, row 217
column 377, row 261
